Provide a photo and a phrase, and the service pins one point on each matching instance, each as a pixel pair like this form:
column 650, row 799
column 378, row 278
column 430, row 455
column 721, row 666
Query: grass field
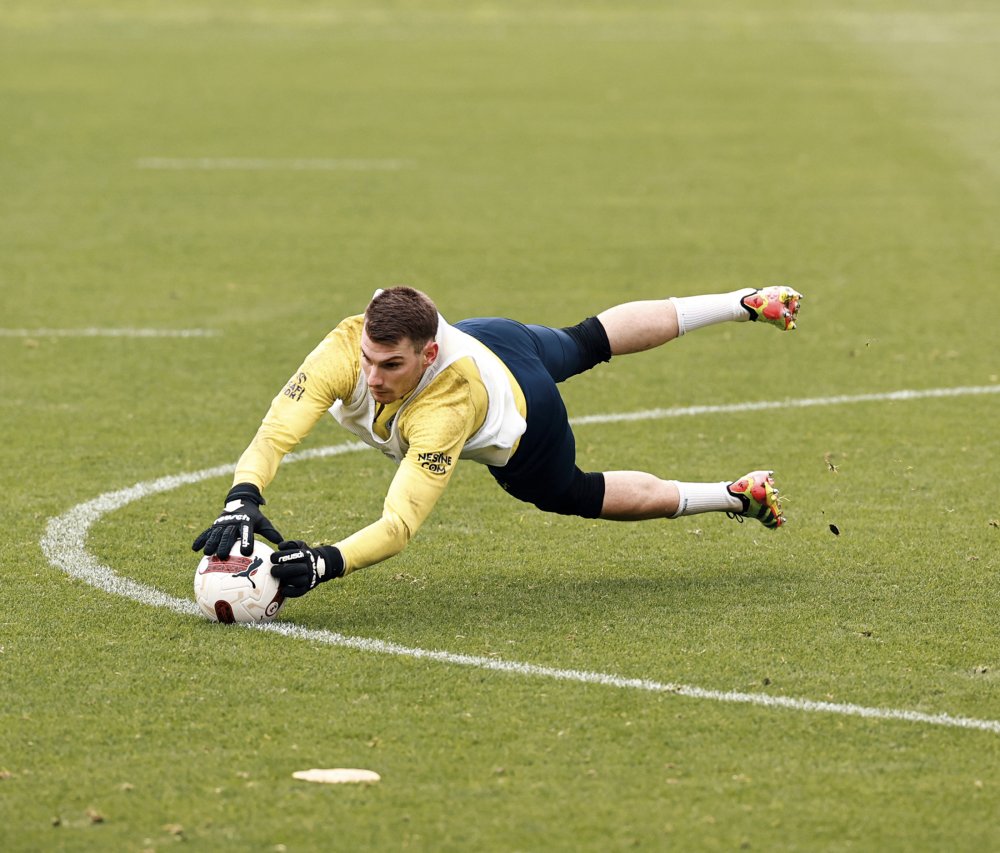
column 251, row 172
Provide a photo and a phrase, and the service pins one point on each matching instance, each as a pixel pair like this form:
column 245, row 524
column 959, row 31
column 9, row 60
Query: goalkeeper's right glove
column 240, row 519
column 300, row 568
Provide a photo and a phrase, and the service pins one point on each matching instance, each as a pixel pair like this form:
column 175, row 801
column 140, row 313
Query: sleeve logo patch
column 436, row 463
column 296, row 387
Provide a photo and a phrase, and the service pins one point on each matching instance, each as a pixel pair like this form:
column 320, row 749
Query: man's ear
column 430, row 353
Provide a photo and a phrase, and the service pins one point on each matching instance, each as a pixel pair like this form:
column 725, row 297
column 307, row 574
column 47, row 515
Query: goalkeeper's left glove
column 300, row 568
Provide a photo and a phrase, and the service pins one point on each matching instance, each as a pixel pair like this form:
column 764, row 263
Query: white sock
column 694, row 312
column 705, row 497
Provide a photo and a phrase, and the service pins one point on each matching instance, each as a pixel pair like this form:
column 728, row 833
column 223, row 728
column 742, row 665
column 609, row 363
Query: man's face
column 393, row 370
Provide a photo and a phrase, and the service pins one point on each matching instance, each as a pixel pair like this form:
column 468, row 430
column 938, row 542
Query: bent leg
column 637, row 496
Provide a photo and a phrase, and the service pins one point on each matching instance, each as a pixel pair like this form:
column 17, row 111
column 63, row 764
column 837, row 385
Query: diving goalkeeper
column 428, row 394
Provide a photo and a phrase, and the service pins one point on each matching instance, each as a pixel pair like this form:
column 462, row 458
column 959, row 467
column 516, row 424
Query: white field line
column 63, row 545
column 94, row 332
column 264, row 164
column 804, row 403
column 586, row 677
column 823, row 25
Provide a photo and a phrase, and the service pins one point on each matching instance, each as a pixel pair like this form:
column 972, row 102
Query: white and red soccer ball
column 238, row 589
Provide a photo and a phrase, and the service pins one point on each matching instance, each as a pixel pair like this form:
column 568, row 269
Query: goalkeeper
column 427, row 394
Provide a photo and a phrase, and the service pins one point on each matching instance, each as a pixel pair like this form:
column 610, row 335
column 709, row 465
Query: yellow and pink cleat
column 778, row 306
column 759, row 497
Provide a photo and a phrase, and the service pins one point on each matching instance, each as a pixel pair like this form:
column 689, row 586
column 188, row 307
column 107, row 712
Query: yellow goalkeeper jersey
column 433, row 424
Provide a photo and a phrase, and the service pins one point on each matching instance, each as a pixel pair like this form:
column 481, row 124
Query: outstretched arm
column 436, row 431
column 327, row 374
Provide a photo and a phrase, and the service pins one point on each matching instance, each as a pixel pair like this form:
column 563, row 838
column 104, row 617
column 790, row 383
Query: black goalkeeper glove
column 300, row 568
column 240, row 519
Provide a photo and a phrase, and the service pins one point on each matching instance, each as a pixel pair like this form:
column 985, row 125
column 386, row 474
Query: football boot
column 759, row 497
column 778, row 306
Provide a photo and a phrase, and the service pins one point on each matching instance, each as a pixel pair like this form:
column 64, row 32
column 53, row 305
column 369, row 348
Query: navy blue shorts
column 543, row 468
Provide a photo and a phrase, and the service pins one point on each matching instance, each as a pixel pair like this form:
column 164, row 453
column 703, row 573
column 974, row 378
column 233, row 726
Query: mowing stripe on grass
column 265, row 164
column 64, row 547
column 94, row 332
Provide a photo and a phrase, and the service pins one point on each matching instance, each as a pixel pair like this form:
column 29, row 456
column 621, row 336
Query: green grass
column 559, row 159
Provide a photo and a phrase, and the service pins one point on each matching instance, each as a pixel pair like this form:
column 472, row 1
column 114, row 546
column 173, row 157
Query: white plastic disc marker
column 337, row 776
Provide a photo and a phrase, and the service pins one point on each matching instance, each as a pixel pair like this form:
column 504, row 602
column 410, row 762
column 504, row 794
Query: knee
column 583, row 498
column 591, row 339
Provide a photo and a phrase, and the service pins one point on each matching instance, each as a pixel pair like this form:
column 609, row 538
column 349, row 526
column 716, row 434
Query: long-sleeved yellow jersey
column 435, row 424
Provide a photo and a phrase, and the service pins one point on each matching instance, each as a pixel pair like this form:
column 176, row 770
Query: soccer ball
column 238, row 589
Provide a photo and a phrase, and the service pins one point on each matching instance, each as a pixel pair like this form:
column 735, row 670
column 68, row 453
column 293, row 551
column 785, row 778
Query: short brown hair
column 401, row 312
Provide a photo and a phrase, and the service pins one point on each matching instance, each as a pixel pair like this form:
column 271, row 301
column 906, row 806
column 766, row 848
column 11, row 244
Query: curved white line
column 63, row 546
